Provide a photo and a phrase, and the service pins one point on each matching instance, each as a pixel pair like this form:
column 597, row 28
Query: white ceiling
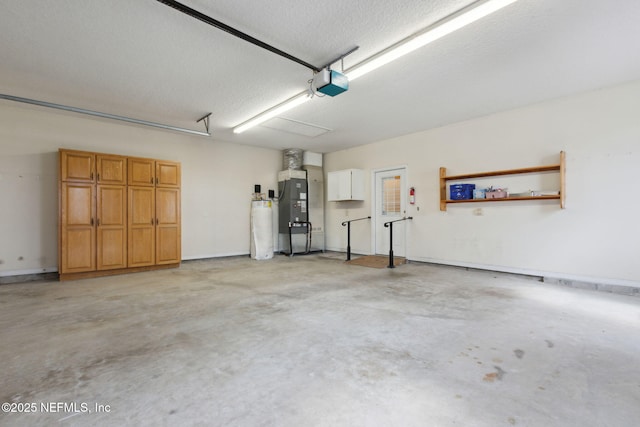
column 145, row 60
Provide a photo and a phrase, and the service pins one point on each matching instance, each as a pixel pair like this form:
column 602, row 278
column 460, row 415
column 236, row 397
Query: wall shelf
column 560, row 168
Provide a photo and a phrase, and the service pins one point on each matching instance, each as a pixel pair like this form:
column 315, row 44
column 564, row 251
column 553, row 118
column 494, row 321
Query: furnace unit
column 294, row 228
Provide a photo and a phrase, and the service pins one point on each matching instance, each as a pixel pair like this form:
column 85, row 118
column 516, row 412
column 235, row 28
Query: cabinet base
column 89, row 274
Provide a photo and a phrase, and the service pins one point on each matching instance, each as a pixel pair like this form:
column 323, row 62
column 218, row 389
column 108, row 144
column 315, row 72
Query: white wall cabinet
column 346, row 184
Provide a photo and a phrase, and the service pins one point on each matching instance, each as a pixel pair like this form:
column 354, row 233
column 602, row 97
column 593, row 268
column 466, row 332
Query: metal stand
column 308, row 248
column 390, row 226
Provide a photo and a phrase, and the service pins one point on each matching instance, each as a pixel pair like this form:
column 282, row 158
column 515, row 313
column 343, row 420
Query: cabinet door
column 339, row 185
column 77, row 240
column 77, row 166
column 168, row 237
column 167, row 174
column 332, row 187
column 344, row 185
column 357, row 184
column 111, row 169
column 141, row 172
column 111, row 227
column 141, row 227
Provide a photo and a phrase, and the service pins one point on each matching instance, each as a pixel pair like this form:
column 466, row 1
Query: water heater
column 261, row 230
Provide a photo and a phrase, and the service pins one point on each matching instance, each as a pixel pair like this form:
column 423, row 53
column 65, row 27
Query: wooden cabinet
column 77, row 228
column 141, row 223
column 111, row 169
column 92, row 212
column 346, row 184
column 82, row 166
column 111, row 227
column 117, row 214
column 77, row 166
column 558, row 168
column 154, row 226
column 149, row 172
column 142, row 172
column 167, row 174
column 154, row 214
column 167, row 225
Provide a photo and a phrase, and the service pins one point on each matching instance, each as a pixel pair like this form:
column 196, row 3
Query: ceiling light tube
column 448, row 25
column 287, row 105
column 438, row 30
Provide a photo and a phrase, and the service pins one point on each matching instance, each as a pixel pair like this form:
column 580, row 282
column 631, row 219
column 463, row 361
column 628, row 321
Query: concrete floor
column 310, row 341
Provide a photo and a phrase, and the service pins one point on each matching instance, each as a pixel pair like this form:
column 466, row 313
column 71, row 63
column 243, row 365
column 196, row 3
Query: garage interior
column 521, row 310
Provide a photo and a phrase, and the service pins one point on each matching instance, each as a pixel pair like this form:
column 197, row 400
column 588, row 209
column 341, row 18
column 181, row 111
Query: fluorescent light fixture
column 458, row 20
column 287, row 105
column 440, row 29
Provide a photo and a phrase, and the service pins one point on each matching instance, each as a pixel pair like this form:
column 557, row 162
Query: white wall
column 217, row 182
column 596, row 238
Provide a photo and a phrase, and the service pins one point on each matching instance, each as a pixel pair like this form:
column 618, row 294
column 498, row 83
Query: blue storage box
column 461, row 191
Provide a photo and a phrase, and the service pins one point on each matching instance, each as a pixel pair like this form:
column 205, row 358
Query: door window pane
column 391, row 196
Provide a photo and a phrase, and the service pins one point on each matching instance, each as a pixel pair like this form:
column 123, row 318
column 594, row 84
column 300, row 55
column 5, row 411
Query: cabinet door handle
column 92, row 222
column 152, row 180
column 98, row 176
column 151, row 221
column 91, row 176
column 156, row 180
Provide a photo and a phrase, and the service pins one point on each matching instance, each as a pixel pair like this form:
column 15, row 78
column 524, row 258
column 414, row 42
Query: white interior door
column 390, row 205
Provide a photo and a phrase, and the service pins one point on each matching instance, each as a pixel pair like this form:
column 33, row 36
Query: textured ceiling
column 145, row 60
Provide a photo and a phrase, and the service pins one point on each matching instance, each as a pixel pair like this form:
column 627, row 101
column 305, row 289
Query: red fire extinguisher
column 412, row 195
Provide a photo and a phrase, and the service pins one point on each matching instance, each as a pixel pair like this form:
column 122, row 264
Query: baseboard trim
column 225, row 255
column 624, row 287
column 102, row 273
column 602, row 287
column 27, row 272
column 32, row 277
